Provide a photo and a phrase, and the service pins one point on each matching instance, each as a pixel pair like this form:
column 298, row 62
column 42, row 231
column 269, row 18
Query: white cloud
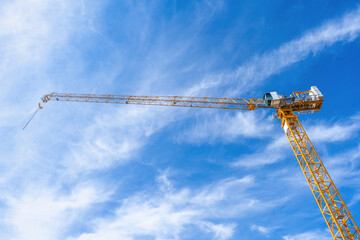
column 114, row 138
column 313, row 235
column 144, row 218
column 343, row 167
column 332, row 133
column 210, row 195
column 221, row 231
column 258, row 68
column 258, row 159
column 222, row 126
column 264, row 230
column 278, row 147
column 354, row 200
column 37, row 51
column 164, row 182
column 339, row 131
column 35, row 36
column 273, row 152
column 44, row 213
column 31, row 31
column 167, row 215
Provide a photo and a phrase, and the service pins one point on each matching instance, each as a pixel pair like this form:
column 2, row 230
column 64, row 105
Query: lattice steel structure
column 332, row 206
column 174, row 101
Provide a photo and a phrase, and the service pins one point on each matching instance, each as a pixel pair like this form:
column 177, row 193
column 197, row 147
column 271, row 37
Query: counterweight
column 332, row 206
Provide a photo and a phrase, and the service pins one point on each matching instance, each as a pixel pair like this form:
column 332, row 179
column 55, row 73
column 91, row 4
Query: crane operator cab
column 272, row 99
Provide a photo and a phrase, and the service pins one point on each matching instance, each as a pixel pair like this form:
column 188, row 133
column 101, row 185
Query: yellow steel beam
column 175, row 101
column 332, row 206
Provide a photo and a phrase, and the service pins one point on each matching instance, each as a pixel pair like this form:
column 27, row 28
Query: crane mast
column 331, row 204
column 334, row 210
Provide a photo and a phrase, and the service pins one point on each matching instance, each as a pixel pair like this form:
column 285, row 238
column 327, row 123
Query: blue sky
column 85, row 171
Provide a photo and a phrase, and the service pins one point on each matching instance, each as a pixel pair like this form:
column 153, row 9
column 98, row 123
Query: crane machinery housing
column 334, row 210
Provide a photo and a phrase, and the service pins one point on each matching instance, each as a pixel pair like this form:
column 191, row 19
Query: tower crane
column 333, row 208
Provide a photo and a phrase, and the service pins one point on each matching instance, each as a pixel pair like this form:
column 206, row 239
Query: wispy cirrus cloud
column 274, row 152
column 32, row 209
column 37, row 37
column 213, row 127
column 114, row 138
column 312, row 235
column 338, row 131
column 262, row 229
column 324, row 132
column 119, row 135
column 38, row 54
column 343, row 166
column 163, row 215
column 257, row 69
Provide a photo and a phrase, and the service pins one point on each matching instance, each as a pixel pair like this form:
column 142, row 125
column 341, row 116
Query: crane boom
column 175, row 101
column 332, row 206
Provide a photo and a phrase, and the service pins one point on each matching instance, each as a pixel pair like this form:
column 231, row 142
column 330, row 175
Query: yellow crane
column 331, row 204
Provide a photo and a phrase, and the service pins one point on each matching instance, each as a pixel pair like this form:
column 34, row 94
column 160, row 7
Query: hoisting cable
column 32, row 116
